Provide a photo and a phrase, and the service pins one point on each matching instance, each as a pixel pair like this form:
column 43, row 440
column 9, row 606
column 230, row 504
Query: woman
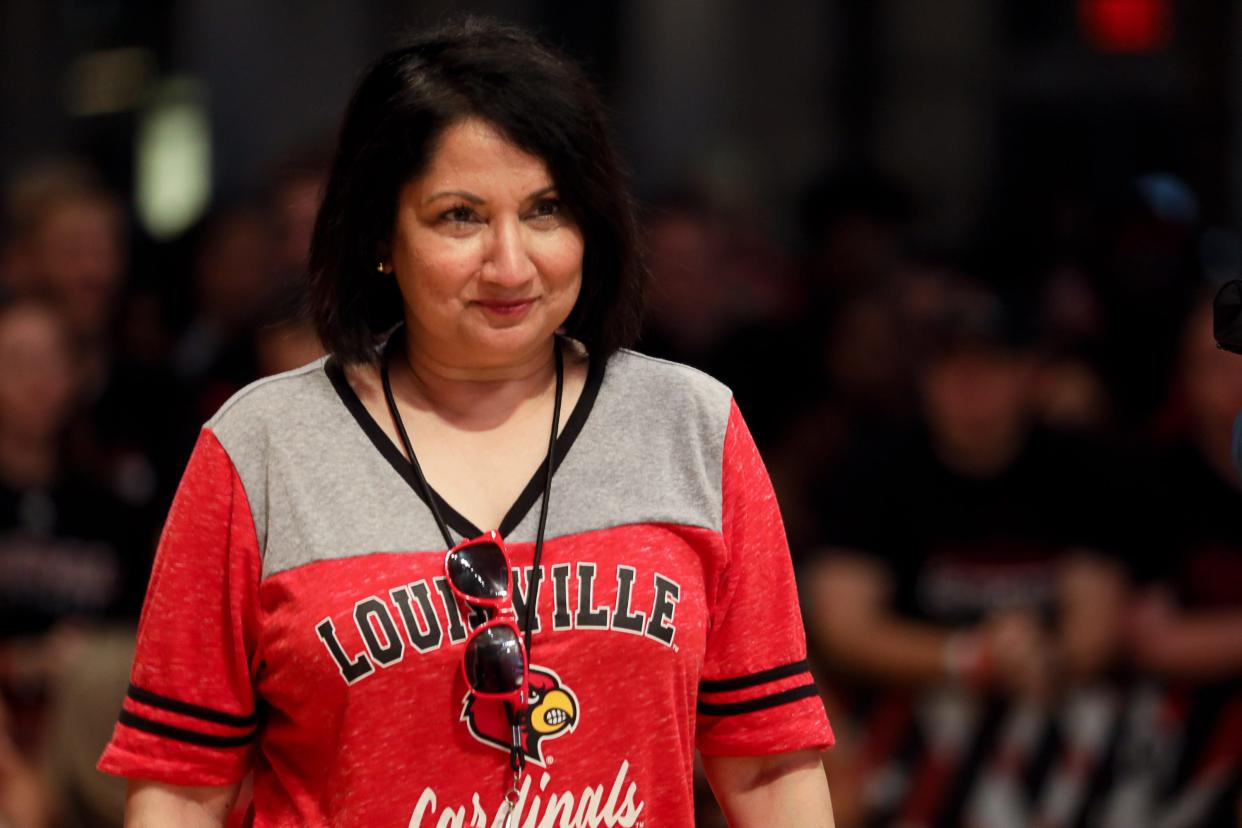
column 304, row 620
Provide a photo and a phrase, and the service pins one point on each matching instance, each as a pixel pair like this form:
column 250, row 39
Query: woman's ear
column 383, row 259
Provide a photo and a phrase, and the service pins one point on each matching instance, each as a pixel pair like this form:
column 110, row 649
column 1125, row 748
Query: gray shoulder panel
column 317, row 487
column 650, row 452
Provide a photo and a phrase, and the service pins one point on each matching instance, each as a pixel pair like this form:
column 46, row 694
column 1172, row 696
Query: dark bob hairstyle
column 534, row 96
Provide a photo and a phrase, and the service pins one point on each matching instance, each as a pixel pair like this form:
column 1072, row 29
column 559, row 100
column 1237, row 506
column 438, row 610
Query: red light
column 1126, row 26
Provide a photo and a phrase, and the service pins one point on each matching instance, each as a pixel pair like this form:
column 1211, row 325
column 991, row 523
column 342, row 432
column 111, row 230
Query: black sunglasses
column 494, row 661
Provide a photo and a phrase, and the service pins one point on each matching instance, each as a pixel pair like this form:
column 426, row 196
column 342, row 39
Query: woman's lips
column 507, row 308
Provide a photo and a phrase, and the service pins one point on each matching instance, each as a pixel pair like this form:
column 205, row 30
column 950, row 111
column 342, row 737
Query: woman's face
column 488, row 262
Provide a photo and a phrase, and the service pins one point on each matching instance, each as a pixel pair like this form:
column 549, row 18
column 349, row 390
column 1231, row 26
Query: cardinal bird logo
column 553, row 713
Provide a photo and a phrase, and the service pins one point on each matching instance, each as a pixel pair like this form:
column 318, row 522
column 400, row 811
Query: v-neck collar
column 456, row 521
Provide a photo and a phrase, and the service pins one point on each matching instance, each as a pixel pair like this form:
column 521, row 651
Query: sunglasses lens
column 494, row 661
column 480, row 571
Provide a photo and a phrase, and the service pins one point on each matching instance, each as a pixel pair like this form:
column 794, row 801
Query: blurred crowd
column 1007, row 479
column 115, row 350
column 1005, row 472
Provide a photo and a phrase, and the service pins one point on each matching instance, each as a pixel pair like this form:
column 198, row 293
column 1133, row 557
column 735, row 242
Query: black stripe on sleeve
column 806, row 691
column 181, row 734
column 763, row 677
column 144, row 696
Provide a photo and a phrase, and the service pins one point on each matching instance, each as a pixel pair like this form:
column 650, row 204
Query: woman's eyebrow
column 471, row 197
column 474, row 199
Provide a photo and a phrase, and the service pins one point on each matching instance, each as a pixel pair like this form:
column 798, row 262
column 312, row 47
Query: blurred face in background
column 76, row 256
column 39, row 381
column 232, row 281
column 868, row 356
column 294, row 208
column 976, row 400
column 687, row 295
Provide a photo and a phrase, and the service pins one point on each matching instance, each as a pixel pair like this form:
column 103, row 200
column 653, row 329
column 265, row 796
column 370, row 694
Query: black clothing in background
column 68, row 552
column 1196, row 548
column 1193, row 749
column 961, row 547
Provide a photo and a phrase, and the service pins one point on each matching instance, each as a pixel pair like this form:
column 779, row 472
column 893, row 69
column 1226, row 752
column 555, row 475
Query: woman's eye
column 547, row 207
column 459, row 215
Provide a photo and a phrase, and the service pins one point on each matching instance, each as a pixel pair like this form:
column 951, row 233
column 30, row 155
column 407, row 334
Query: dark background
column 840, row 198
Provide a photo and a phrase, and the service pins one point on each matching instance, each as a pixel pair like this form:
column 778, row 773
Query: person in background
column 690, row 309
column 67, row 548
column 234, row 292
column 68, row 246
column 858, row 390
column 291, row 201
column 853, row 324
column 965, row 559
column 288, row 338
column 70, row 237
column 72, row 559
column 1188, row 621
column 1180, row 753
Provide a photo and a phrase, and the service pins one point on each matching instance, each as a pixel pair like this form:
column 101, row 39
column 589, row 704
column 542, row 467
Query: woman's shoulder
column 664, row 409
column 275, row 398
column 672, row 384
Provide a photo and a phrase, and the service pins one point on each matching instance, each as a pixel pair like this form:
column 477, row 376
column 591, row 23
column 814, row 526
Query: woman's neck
column 471, row 396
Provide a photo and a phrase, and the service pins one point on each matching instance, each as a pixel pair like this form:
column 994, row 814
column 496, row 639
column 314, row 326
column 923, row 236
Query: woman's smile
column 505, row 308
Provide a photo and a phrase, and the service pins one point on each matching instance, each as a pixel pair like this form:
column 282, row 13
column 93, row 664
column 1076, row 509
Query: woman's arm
column 156, row 805
column 786, row 790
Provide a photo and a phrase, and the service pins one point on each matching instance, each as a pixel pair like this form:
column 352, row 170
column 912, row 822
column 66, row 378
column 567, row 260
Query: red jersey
column 298, row 621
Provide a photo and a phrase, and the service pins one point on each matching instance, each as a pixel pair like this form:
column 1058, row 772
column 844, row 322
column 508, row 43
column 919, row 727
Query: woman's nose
column 509, row 261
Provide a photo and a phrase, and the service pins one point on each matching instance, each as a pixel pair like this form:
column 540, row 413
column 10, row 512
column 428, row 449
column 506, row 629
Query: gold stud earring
column 382, row 267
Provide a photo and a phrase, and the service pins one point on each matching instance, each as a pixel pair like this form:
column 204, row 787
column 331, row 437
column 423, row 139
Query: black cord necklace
column 517, row 758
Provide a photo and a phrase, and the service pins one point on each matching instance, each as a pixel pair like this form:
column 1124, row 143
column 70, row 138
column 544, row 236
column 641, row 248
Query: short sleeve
column 190, row 716
column 756, row 696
